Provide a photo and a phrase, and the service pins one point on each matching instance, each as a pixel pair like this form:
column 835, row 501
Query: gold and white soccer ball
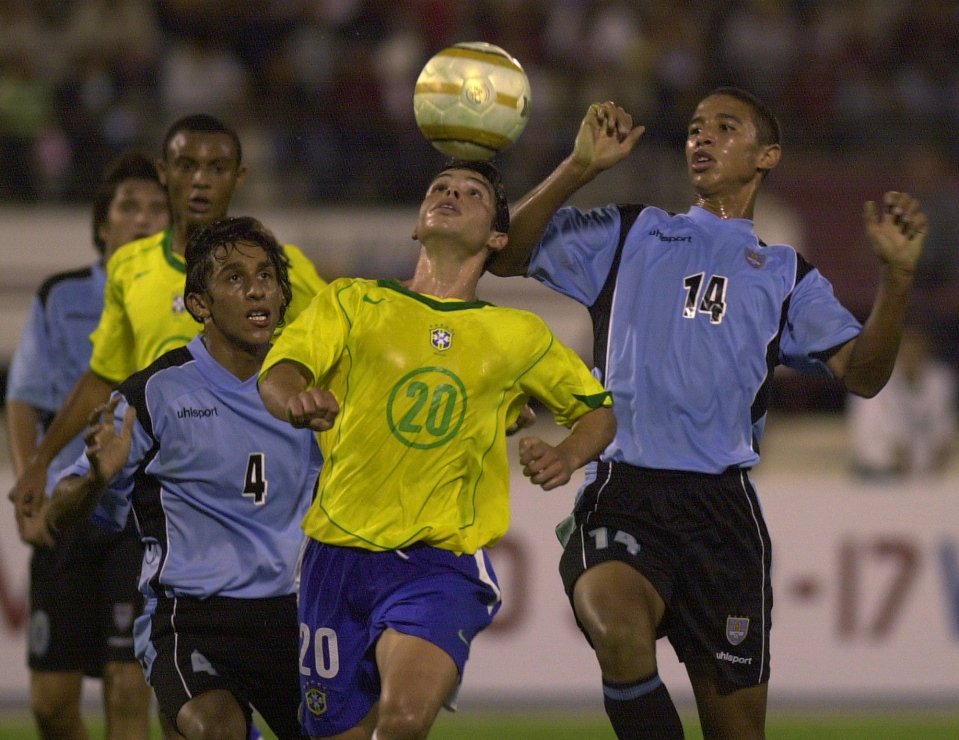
column 472, row 100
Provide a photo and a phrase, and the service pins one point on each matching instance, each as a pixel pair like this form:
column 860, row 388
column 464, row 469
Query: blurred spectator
column 932, row 178
column 324, row 79
column 909, row 427
column 25, row 114
column 200, row 74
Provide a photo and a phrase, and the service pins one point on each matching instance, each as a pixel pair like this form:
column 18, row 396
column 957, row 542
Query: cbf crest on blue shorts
column 349, row 596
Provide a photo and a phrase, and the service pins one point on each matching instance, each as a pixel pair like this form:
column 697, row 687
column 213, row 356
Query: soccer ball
column 472, row 100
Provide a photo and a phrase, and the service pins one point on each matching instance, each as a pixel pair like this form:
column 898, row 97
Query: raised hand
column 897, row 230
column 606, row 135
column 106, row 449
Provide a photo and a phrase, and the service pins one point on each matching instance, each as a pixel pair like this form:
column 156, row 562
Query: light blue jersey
column 54, row 350
column 689, row 362
column 218, row 486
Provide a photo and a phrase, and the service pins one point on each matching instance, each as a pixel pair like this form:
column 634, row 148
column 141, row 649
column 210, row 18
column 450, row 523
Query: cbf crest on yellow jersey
column 427, row 388
column 144, row 313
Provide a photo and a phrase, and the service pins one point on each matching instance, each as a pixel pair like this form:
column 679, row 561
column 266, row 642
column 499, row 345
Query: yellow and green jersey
column 427, row 388
column 144, row 314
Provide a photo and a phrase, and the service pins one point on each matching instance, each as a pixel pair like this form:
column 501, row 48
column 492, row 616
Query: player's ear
column 241, row 174
column 161, row 171
column 769, row 157
column 197, row 305
column 497, row 241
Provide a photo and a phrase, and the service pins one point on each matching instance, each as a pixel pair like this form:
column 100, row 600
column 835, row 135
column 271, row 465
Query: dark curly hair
column 212, row 244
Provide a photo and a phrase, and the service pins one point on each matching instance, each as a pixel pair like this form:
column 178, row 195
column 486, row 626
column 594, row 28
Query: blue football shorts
column 349, row 596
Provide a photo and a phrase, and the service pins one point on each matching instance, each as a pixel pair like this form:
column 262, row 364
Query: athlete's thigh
column 619, row 571
column 614, row 596
column 223, row 644
column 55, row 693
column 217, row 709
column 349, row 598
column 416, row 675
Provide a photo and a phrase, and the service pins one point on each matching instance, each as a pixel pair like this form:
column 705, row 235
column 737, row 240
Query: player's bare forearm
column 280, row 383
column 865, row 364
column 73, row 501
column 529, row 218
column 589, row 436
column 89, row 392
column 286, row 394
column 22, row 424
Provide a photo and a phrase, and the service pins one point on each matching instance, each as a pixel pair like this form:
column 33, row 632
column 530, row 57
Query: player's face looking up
column 460, row 204
column 243, row 301
column 200, row 171
column 723, row 150
column 138, row 209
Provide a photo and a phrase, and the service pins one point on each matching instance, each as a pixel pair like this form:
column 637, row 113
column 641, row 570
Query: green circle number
column 426, row 407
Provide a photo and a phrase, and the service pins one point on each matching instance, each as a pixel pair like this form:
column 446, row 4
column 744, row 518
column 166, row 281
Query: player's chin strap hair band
column 491, row 174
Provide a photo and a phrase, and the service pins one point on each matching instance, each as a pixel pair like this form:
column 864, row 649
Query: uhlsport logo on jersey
column 441, row 338
column 736, row 629
column 315, row 701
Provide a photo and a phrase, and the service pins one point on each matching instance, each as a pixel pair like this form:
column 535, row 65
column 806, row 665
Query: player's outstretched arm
column 75, row 496
column 286, row 394
column 896, row 231
column 89, row 392
column 606, row 136
column 550, row 467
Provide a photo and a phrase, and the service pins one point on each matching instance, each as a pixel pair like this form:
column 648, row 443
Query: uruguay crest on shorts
column 736, row 629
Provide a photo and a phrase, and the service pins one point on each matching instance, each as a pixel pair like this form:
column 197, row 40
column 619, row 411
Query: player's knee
column 56, row 717
column 213, row 715
column 404, row 721
column 621, row 645
column 125, row 692
column 208, row 728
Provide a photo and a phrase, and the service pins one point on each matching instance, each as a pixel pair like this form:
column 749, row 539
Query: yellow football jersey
column 427, row 388
column 144, row 314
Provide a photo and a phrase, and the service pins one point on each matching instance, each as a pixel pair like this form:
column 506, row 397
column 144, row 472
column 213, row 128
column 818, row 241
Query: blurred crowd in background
column 320, row 90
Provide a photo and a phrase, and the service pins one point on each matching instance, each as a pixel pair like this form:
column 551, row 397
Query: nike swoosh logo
column 462, row 636
column 139, row 275
column 367, row 299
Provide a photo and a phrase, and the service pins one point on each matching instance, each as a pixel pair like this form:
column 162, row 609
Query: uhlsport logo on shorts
column 736, row 629
column 315, row 701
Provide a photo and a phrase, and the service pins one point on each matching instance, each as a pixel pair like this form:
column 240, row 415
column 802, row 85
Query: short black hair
column 128, row 165
column 205, row 124
column 491, row 174
column 768, row 130
column 212, row 243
